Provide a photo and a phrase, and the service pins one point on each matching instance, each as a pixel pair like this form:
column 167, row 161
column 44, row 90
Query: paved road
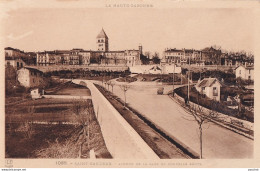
column 218, row 142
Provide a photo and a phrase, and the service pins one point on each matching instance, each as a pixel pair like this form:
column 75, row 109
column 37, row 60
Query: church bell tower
column 102, row 41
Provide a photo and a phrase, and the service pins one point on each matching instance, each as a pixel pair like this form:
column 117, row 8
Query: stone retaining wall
column 224, row 118
column 122, row 141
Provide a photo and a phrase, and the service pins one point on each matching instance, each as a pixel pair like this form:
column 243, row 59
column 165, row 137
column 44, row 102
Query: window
column 249, row 77
column 239, row 71
column 203, row 90
column 215, row 91
column 249, row 71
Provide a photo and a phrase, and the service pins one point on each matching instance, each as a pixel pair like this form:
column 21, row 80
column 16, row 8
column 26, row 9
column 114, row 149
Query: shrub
column 59, row 150
column 26, row 128
column 204, row 101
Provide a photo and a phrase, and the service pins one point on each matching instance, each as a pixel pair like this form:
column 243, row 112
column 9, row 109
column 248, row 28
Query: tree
column 108, row 84
column 201, row 116
column 124, row 87
column 144, row 59
column 156, row 59
column 147, row 54
column 10, row 80
column 82, row 111
column 112, row 83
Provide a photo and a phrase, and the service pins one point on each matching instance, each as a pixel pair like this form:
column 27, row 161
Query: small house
column 245, row 72
column 210, row 87
column 30, row 77
column 36, row 93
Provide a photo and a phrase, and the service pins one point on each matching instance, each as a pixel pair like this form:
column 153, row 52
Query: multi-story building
column 122, row 57
column 17, row 55
column 17, row 63
column 85, row 57
column 11, row 52
column 30, row 77
column 174, row 56
column 211, row 56
column 82, row 57
column 207, row 56
column 245, row 72
column 182, row 56
column 48, row 58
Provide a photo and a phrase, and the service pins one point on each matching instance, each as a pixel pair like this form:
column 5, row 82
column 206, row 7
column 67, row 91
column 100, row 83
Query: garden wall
column 121, row 139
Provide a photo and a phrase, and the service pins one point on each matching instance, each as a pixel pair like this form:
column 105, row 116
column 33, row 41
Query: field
column 53, row 128
column 69, row 88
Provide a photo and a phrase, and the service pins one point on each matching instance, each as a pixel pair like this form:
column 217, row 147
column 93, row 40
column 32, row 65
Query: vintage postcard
column 136, row 83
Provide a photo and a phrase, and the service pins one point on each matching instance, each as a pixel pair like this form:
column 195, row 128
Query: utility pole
column 189, row 82
column 173, row 78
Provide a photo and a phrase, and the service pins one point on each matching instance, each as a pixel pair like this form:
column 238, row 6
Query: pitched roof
column 249, row 67
column 102, row 34
column 208, row 82
column 174, row 50
column 33, row 69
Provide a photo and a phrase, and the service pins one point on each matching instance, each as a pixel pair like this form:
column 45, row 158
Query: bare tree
column 124, row 87
column 112, row 83
column 201, row 116
column 108, row 84
column 82, row 112
column 105, row 84
column 147, row 54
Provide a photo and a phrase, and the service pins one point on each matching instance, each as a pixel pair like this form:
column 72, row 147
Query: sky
column 39, row 29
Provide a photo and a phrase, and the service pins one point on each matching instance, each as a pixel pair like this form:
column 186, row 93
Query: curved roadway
column 218, row 142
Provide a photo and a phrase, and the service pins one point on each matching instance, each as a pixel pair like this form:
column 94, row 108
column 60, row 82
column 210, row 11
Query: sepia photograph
column 134, row 80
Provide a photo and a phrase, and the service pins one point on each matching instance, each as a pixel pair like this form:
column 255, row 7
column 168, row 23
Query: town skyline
column 128, row 80
column 60, row 29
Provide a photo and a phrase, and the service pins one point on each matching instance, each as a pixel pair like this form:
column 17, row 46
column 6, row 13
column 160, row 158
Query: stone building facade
column 101, row 56
column 30, row 77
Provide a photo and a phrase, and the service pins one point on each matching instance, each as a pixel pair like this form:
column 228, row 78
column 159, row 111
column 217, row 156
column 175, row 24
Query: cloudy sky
column 41, row 28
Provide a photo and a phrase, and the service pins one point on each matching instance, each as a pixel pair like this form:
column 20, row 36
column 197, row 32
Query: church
column 121, row 57
column 102, row 55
